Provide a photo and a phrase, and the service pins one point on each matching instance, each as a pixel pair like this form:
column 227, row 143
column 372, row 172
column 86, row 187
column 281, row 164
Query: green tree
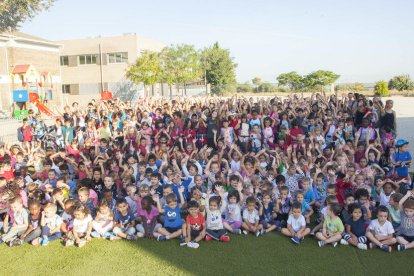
column 401, row 82
column 320, row 79
column 244, row 87
column 219, row 67
column 267, row 87
column 14, row 12
column 381, row 88
column 292, row 80
column 180, row 65
column 257, row 81
column 146, row 70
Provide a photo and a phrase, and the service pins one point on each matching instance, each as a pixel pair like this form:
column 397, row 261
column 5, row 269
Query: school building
column 90, row 65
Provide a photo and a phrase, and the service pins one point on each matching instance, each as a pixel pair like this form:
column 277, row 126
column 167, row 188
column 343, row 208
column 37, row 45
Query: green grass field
column 271, row 254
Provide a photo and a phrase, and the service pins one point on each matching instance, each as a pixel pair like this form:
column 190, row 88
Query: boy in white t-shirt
column 296, row 224
column 380, row 231
column 251, row 218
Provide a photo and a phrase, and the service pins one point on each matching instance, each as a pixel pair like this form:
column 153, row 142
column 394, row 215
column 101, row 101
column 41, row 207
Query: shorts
column 267, row 224
column 233, row 224
column 410, row 239
column 194, row 234
column 172, row 229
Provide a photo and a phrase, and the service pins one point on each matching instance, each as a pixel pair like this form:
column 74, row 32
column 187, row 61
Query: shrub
column 381, row 88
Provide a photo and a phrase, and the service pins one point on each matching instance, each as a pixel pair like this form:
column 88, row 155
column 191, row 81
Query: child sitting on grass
column 214, row 223
column 251, row 218
column 82, row 227
column 19, row 224
column 195, row 225
column 355, row 228
column 124, row 226
column 296, row 224
column 406, row 234
column 380, row 231
column 332, row 227
column 50, row 223
column 173, row 225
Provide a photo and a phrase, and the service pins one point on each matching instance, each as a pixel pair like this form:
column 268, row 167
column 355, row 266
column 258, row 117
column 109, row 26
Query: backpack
column 20, row 134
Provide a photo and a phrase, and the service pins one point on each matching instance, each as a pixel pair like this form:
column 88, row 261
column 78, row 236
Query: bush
column 267, row 87
column 244, row 87
column 381, row 88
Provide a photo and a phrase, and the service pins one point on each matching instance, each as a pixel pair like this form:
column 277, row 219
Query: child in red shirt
column 195, row 225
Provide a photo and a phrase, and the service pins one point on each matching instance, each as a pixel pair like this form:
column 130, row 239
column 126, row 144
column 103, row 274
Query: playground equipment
column 31, row 86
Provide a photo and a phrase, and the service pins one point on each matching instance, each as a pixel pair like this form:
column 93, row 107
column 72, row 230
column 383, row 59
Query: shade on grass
column 271, row 254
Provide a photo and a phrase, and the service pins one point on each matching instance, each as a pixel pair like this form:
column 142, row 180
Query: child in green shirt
column 332, row 227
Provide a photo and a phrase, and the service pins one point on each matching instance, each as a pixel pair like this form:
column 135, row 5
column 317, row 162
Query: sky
column 363, row 41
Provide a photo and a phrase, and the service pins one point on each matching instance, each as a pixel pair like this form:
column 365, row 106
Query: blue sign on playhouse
column 20, row 96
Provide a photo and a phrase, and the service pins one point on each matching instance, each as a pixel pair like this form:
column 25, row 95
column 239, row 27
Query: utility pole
column 100, row 65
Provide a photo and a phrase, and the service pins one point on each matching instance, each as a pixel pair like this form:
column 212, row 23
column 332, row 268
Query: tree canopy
column 14, row 12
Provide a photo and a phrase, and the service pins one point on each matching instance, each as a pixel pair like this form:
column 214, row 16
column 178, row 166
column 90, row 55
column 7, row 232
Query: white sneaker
column 344, row 242
column 362, row 246
column 245, row 232
column 140, row 235
column 81, row 243
column 193, row 245
column 69, row 243
column 334, row 244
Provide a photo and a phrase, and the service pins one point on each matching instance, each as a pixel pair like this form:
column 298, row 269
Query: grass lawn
column 271, row 254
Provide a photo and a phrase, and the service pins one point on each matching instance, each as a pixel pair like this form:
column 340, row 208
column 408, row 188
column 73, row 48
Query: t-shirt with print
column 251, row 217
column 334, row 225
column 172, row 217
column 296, row 223
column 81, row 225
column 267, row 214
column 124, row 219
column 381, row 230
column 53, row 222
column 148, row 216
column 34, row 221
column 407, row 225
column 196, row 223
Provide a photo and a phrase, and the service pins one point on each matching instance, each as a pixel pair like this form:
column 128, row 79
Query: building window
column 66, row 88
column 87, row 59
column 118, row 58
column 64, row 60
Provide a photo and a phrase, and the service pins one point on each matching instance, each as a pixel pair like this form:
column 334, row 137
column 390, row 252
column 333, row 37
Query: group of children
column 209, row 168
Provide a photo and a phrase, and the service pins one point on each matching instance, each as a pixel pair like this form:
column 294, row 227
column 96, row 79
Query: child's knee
column 117, row 230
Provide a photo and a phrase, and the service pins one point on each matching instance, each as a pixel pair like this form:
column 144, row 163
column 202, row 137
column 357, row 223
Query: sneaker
column 401, row 247
column 225, row 238
column 193, row 245
column 245, row 232
column 263, row 232
column 16, row 242
column 208, row 238
column 334, row 244
column 95, row 234
column 44, row 242
column 162, row 238
column 114, row 238
column 301, row 239
column 69, row 243
column 257, row 233
column 312, row 233
column 140, row 235
column 386, row 248
column 183, row 241
column 362, row 246
column 1, row 241
column 321, row 243
column 237, row 231
column 296, row 240
column 344, row 242
column 81, row 243
column 372, row 245
column 131, row 237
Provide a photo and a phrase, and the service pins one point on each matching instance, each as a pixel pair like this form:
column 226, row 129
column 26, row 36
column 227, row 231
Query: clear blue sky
column 362, row 40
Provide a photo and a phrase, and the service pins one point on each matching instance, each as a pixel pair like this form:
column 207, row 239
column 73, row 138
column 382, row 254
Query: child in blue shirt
column 307, row 210
column 355, row 228
column 402, row 161
column 124, row 221
column 173, row 225
column 308, row 192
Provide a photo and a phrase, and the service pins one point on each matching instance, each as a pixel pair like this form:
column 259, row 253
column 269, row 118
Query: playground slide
column 34, row 98
column 44, row 109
